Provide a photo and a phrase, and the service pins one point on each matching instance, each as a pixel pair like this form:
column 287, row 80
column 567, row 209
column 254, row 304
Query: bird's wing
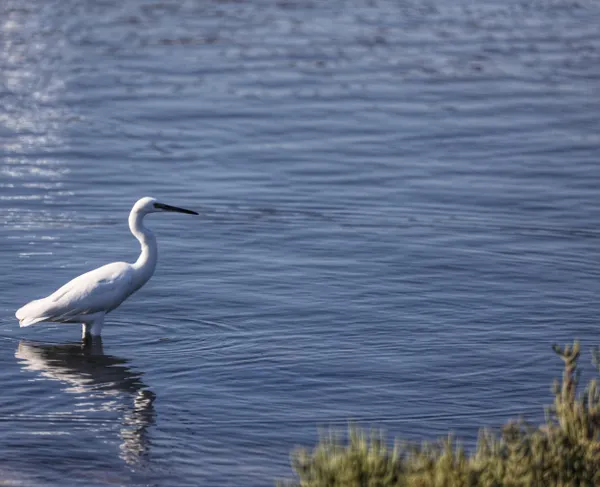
column 102, row 289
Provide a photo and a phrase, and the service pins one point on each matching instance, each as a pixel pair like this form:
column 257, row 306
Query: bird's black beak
column 161, row 206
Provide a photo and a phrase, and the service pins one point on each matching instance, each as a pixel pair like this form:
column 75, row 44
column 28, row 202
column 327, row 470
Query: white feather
column 87, row 298
column 100, row 290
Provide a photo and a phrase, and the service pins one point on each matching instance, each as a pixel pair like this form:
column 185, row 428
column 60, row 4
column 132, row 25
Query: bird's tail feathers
column 32, row 313
column 32, row 321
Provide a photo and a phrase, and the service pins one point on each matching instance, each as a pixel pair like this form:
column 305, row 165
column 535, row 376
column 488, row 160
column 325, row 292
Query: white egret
column 89, row 297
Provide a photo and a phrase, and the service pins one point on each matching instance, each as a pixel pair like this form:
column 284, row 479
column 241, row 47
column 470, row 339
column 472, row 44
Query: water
column 399, row 215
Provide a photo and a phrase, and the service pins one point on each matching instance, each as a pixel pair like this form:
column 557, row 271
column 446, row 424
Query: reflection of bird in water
column 90, row 374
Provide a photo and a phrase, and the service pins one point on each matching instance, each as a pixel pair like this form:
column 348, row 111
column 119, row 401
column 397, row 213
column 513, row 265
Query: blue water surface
column 399, row 207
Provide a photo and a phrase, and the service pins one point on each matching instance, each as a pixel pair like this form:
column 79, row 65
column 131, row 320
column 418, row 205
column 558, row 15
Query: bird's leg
column 92, row 345
column 97, row 326
column 93, row 327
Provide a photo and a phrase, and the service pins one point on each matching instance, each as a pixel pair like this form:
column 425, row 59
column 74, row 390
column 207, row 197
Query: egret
column 90, row 296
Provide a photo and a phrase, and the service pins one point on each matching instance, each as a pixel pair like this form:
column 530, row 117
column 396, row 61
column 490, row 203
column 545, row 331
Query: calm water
column 400, row 214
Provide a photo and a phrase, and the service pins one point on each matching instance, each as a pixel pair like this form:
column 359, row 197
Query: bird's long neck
column 147, row 260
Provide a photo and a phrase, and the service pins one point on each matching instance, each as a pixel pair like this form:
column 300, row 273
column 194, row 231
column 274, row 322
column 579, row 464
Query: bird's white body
column 89, row 297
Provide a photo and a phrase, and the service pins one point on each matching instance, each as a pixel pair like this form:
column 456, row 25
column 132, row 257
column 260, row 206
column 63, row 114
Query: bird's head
column 151, row 205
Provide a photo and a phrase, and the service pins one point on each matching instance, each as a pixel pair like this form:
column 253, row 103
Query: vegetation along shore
column 564, row 451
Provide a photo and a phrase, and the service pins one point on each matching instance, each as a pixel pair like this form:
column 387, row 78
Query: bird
column 87, row 298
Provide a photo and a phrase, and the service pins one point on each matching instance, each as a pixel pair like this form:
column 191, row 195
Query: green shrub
column 565, row 451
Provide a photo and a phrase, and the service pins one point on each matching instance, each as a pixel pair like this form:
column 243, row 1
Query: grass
column 564, row 451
